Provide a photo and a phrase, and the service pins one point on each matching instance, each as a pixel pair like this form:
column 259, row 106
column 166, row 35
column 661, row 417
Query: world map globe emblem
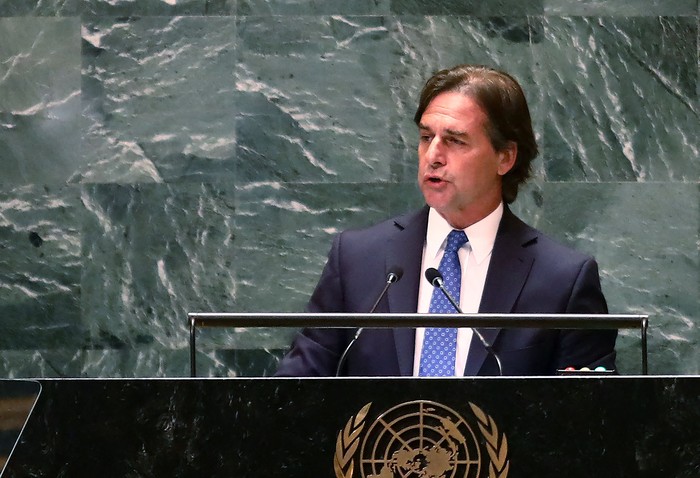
column 420, row 439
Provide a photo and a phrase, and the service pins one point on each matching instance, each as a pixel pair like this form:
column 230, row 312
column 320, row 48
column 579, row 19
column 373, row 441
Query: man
column 475, row 149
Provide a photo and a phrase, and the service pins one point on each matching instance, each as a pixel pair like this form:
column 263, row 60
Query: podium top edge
column 400, row 314
column 340, row 320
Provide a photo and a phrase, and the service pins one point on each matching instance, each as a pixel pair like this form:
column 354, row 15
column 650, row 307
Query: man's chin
column 439, row 208
column 438, row 200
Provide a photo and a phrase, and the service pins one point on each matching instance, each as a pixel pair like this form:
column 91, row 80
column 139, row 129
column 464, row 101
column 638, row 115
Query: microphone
column 393, row 276
column 435, row 278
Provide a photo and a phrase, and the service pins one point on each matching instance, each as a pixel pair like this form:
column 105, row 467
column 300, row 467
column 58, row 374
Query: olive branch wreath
column 347, row 443
column 349, row 439
column 499, row 466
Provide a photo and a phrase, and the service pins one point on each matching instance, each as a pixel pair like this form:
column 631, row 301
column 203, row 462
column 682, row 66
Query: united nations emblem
column 421, row 439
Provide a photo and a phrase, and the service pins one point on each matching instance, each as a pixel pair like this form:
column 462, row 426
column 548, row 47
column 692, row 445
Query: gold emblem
column 421, row 439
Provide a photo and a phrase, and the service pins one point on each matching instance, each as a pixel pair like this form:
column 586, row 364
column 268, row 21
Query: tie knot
column 455, row 240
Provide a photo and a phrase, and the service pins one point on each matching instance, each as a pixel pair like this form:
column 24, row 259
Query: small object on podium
column 585, row 371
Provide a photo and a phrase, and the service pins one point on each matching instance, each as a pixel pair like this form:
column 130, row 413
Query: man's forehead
column 451, row 99
column 452, row 111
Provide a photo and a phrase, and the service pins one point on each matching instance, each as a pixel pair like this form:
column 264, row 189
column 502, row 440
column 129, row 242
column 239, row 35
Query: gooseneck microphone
column 435, row 278
column 392, row 277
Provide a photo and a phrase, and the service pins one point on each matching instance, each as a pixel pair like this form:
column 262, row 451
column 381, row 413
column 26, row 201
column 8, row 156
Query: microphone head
column 433, row 276
column 394, row 275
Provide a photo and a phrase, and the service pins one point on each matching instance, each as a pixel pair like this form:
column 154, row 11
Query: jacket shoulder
column 383, row 230
column 543, row 244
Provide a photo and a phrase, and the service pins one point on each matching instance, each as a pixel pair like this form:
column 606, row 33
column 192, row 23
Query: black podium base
column 480, row 427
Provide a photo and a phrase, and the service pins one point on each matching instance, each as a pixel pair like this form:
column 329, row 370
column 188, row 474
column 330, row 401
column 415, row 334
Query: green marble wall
column 165, row 156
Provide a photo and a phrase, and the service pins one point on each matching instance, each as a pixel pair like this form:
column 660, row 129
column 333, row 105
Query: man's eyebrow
column 451, row 132
column 454, row 132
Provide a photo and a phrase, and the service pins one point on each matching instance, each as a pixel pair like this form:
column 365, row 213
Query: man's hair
column 508, row 116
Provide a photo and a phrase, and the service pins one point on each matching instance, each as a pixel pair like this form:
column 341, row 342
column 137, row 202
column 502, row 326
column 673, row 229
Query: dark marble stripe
column 467, row 7
column 621, row 7
column 313, row 7
column 157, row 7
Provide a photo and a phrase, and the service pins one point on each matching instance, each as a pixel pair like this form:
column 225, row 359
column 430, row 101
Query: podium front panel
column 355, row 427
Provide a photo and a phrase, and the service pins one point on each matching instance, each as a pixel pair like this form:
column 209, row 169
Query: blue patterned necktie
column 437, row 357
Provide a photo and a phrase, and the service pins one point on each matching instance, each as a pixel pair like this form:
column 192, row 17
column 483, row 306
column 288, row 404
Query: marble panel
column 240, row 362
column 286, row 231
column 313, row 7
column 158, row 7
column 429, row 44
column 42, row 362
column 40, row 268
column 37, row 78
column 158, row 99
column 11, row 8
column 143, row 361
column 38, row 151
column 317, row 99
column 39, row 100
column 467, row 7
column 621, row 7
column 150, row 361
column 152, row 254
column 621, row 98
column 644, row 237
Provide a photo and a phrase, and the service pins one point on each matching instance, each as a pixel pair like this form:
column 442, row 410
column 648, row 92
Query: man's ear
column 507, row 157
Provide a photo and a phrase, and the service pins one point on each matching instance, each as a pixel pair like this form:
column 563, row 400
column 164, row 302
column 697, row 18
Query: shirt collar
column 482, row 234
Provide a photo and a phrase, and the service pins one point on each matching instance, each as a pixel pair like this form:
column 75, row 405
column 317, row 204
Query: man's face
column 459, row 172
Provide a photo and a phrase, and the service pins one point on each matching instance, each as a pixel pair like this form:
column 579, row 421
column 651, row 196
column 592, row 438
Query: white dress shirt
column 474, row 259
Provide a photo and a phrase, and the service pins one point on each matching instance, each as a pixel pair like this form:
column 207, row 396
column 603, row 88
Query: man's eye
column 424, row 138
column 456, row 141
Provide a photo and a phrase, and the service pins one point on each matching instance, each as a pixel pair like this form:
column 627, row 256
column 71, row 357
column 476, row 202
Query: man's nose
column 435, row 153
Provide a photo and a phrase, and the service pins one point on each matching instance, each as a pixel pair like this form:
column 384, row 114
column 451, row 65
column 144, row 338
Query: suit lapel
column 511, row 262
column 405, row 249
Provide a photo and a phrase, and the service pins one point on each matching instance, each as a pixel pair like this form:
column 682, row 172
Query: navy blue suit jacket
column 528, row 273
